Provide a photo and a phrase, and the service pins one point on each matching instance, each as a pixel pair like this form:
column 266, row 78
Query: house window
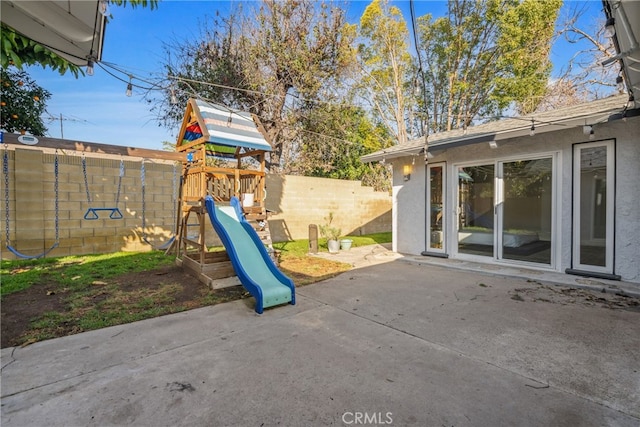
column 435, row 207
column 593, row 191
column 476, row 209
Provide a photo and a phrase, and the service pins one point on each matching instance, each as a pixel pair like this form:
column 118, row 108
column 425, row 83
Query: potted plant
column 345, row 244
column 332, row 234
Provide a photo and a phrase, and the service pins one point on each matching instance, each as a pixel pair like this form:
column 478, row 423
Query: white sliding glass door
column 476, row 191
column 525, row 210
column 506, row 210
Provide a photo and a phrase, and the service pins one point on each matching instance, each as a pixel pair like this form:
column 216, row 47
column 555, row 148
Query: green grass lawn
column 76, row 272
column 300, row 248
column 96, row 291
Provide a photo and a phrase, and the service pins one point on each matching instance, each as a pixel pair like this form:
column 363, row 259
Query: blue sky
column 95, row 108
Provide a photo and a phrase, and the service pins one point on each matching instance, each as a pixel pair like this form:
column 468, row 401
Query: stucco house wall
column 410, row 195
column 409, row 201
column 627, row 225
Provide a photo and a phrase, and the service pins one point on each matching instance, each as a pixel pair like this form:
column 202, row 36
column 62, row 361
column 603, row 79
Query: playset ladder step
column 257, row 217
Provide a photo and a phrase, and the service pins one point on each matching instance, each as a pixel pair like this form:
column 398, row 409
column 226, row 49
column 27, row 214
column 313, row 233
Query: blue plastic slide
column 255, row 269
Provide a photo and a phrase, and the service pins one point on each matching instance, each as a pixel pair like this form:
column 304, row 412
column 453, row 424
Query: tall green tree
column 333, row 138
column 295, row 49
column 23, row 103
column 387, row 67
column 270, row 62
column 485, row 56
column 526, row 30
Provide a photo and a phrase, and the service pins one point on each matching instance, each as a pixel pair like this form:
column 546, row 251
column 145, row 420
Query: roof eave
column 72, row 30
column 388, row 155
column 522, row 131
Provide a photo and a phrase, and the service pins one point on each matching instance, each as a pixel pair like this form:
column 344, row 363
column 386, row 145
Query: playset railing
column 223, row 183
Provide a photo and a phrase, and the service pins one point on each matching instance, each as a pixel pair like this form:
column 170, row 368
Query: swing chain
column 86, row 183
column 55, row 189
column 120, row 181
column 143, row 181
column 5, row 170
column 175, row 192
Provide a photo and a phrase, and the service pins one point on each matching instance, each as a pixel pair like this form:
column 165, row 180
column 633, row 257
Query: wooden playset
column 225, row 157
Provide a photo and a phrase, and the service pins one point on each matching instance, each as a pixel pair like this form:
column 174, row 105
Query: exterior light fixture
column 588, row 130
column 532, row 131
column 406, row 172
column 620, row 84
column 493, row 144
column 609, row 27
column 89, row 67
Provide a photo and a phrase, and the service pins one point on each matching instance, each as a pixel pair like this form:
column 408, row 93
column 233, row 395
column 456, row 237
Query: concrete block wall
column 299, row 201
column 32, row 203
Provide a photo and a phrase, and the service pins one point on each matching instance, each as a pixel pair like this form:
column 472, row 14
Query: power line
column 150, row 85
column 62, row 119
column 159, row 84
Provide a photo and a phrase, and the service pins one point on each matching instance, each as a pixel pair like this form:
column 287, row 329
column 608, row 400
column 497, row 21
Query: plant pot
column 345, row 244
column 333, row 246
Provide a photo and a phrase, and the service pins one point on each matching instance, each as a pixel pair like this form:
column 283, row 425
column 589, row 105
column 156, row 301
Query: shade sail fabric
column 227, row 128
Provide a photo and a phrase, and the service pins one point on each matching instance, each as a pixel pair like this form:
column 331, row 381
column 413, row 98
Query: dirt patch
column 584, row 297
column 20, row 309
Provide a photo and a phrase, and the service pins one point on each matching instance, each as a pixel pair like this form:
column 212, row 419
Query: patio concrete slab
column 391, row 343
column 539, row 275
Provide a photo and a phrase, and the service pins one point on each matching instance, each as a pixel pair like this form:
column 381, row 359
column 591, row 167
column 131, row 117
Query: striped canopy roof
column 223, row 130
